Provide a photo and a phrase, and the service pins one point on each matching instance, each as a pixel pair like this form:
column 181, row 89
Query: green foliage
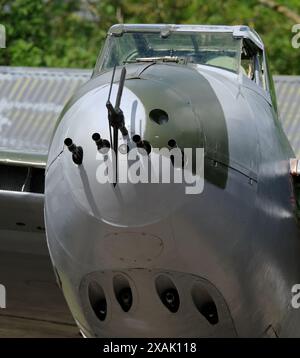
column 70, row 33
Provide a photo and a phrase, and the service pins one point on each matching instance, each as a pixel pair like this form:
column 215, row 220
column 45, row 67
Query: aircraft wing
column 30, row 102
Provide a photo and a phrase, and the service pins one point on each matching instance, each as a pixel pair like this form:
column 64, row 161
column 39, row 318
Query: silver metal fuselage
column 236, row 244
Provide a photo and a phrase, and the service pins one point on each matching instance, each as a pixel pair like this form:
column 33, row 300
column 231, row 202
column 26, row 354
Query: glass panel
column 212, row 48
column 272, row 91
column 252, row 63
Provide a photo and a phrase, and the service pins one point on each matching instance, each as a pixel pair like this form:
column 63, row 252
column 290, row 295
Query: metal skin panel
column 23, row 211
column 239, row 238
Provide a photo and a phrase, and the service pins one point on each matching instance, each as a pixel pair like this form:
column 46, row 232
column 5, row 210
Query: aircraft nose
column 109, row 228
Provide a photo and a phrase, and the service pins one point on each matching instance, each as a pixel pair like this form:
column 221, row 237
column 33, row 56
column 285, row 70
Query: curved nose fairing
column 114, row 246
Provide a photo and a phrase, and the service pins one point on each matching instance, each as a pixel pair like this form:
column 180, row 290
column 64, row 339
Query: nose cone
column 115, row 246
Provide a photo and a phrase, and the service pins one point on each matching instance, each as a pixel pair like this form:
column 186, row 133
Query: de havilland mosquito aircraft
column 148, row 259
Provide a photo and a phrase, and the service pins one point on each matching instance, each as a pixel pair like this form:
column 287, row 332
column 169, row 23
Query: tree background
column 69, row 33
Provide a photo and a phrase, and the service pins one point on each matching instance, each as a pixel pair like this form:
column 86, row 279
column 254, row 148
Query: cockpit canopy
column 212, row 49
column 237, row 49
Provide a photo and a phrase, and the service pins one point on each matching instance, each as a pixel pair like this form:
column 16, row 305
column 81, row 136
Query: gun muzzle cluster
column 144, row 144
column 77, row 152
column 102, row 144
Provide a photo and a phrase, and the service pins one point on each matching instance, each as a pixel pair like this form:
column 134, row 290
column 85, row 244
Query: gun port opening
column 123, row 292
column 205, row 304
column 168, row 293
column 159, row 116
column 97, row 300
